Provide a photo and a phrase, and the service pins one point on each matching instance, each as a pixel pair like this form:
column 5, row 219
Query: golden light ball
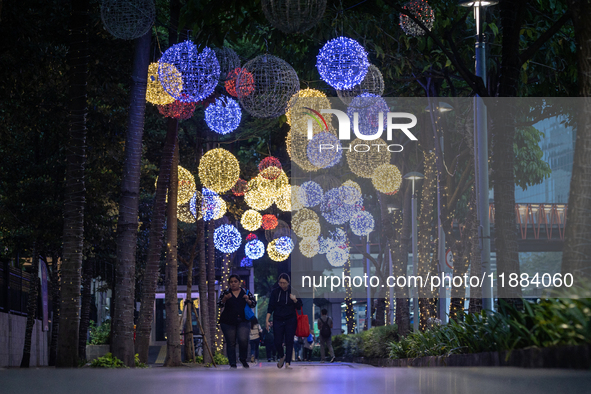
column 283, row 199
column 274, row 254
column 308, row 228
column 297, row 116
column 251, row 220
column 155, row 93
column 363, row 163
column 301, row 216
column 219, row 170
column 309, row 246
column 387, row 178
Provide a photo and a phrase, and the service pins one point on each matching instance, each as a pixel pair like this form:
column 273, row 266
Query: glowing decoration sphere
column 335, row 209
column 269, row 222
column 423, row 12
column 301, row 216
column 274, row 82
column 284, row 245
column 308, row 228
column 352, row 184
column 184, row 214
column 200, row 71
column 219, row 170
column 297, row 148
column 128, row 19
column 247, row 86
column 373, row 83
column 212, row 205
column 368, row 156
column 342, row 63
column 251, row 236
column 274, row 253
column 254, row 249
column 283, row 199
column 246, row 262
column 228, row 60
column 281, row 230
column 324, row 150
column 226, row 238
column 362, row 223
column 296, row 205
column 325, row 244
column 310, row 194
column 270, row 167
column 258, row 199
column 337, row 257
column 309, row 247
column 187, row 187
column 339, row 236
column 368, row 116
column 269, row 187
column 178, row 110
column 293, row 16
column 240, row 188
column 301, row 107
column 351, row 195
column 223, row 116
column 387, row 178
column 195, row 205
column 251, row 220
column 155, row 93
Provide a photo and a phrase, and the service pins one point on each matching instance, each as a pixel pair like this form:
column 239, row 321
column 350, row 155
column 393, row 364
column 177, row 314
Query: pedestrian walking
column 233, row 321
column 255, row 339
column 269, row 341
column 308, row 345
column 297, row 347
column 325, row 326
column 282, row 305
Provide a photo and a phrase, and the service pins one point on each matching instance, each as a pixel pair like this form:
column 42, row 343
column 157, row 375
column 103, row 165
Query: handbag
column 248, row 313
column 303, row 327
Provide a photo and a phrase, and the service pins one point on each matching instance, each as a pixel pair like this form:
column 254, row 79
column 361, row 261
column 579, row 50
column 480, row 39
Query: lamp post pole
column 414, row 176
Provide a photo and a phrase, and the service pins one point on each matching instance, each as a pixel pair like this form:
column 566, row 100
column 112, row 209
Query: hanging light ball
column 297, row 144
column 309, row 247
column 353, row 184
column 251, row 236
column 373, row 83
column 362, row 223
column 240, row 188
column 269, row 222
column 337, row 257
column 228, row 60
column 301, row 216
column 293, row 16
column 387, row 178
column 274, row 253
column 178, row 110
column 363, row 163
column 200, row 71
column 155, row 93
column 246, row 262
column 251, row 220
column 213, row 206
column 283, row 199
column 308, row 228
column 284, row 245
column 219, row 170
column 270, row 167
column 423, row 12
column 195, row 205
column 274, row 82
column 258, row 199
column 310, row 194
column 351, row 195
column 339, row 237
column 271, row 187
column 301, row 107
column 254, row 249
column 325, row 244
column 342, row 63
column 368, row 113
column 223, row 116
column 128, row 19
column 281, row 230
column 334, row 208
column 226, row 238
column 318, row 152
column 247, row 86
column 296, row 205
column 187, row 187
column 183, row 213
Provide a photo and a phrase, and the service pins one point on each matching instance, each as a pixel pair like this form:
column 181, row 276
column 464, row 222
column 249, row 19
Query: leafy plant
column 220, row 359
column 138, row 363
column 100, row 335
column 107, row 361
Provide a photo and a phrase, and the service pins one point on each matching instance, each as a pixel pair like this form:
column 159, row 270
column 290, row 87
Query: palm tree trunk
column 67, row 352
column 122, row 345
column 87, row 274
column 173, row 340
column 150, row 279
column 55, row 319
column 577, row 246
column 31, row 309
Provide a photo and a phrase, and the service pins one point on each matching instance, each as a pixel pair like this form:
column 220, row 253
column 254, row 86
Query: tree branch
column 535, row 47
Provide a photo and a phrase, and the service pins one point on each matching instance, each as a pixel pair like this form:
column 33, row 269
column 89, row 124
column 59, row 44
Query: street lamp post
column 414, row 176
column 481, row 151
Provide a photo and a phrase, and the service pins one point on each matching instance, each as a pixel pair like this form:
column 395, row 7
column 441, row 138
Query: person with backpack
column 325, row 326
column 308, row 345
column 255, row 339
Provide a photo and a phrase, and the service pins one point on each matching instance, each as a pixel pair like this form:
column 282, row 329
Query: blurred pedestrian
column 269, row 341
column 308, row 345
column 255, row 339
column 325, row 326
column 297, row 347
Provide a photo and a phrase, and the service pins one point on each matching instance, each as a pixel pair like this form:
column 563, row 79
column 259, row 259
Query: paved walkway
column 302, row 378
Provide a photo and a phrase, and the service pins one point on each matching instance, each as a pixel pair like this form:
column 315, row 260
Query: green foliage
column 100, row 335
column 138, row 363
column 552, row 322
column 220, row 359
column 530, row 168
column 107, row 361
column 199, row 359
column 368, row 343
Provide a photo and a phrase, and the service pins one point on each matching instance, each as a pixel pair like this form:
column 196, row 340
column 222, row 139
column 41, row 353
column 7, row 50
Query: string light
column 363, row 163
column 297, row 145
column 200, row 71
column 228, row 60
column 251, row 236
column 186, row 186
column 281, row 230
column 240, row 188
column 318, row 152
column 387, row 178
column 254, row 249
column 223, row 116
column 334, row 208
column 301, row 216
column 274, row 253
column 258, row 199
column 195, row 205
column 339, row 236
column 372, row 83
column 226, row 238
column 351, row 195
column 183, row 213
column 155, row 93
column 219, row 170
column 299, row 110
column 177, row 110
column 284, row 245
column 269, row 222
column 296, row 205
column 212, row 205
column 310, row 194
column 337, row 257
column 247, row 86
column 423, row 12
column 352, row 184
column 246, row 262
column 362, row 223
column 270, row 168
column 342, row 63
column 308, row 228
column 251, row 220
column 128, row 19
column 309, row 246
column 368, row 107
column 325, row 244
column 283, row 199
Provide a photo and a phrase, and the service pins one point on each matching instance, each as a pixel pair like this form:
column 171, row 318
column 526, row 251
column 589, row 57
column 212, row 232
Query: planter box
column 96, row 351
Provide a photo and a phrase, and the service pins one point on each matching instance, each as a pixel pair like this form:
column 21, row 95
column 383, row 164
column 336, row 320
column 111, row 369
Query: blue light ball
column 226, row 238
column 368, row 107
column 223, row 116
column 210, row 204
column 320, row 154
column 337, row 257
column 334, row 208
column 200, row 72
column 246, row 262
column 342, row 63
column 284, row 245
column 254, row 249
column 310, row 194
column 362, row 223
